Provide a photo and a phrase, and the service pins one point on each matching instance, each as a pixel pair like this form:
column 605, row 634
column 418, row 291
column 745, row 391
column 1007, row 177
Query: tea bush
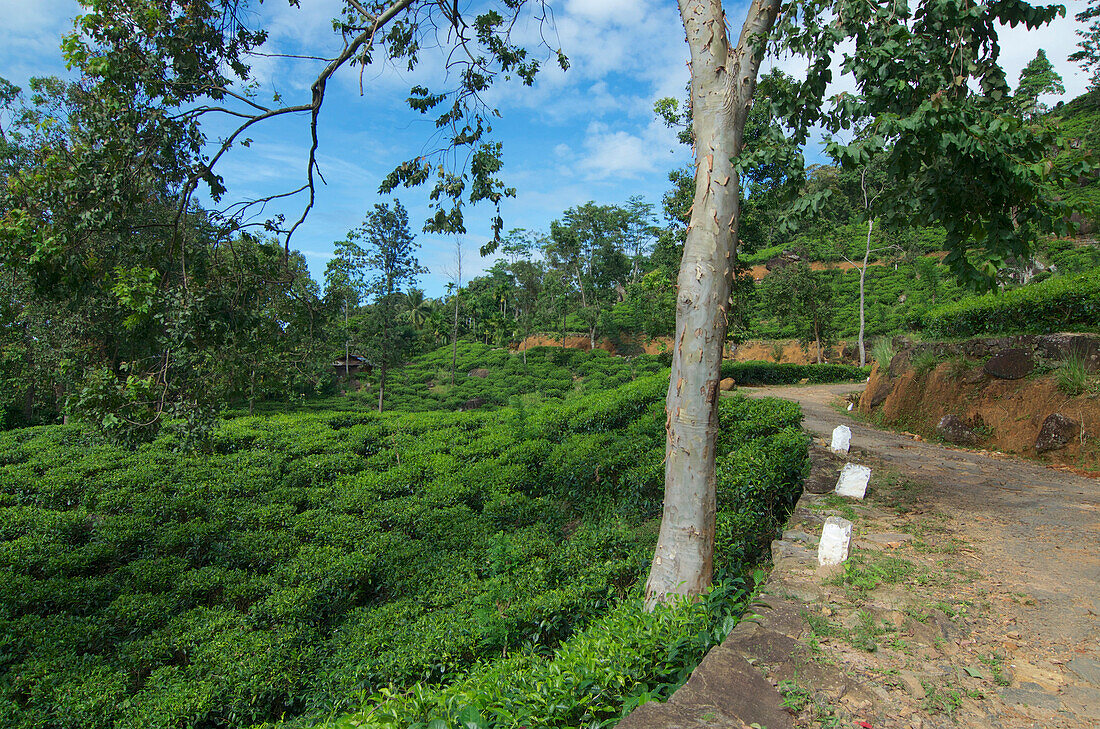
column 775, row 373
column 313, row 558
column 1057, row 304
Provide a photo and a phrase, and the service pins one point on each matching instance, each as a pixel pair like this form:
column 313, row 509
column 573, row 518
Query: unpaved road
column 1023, row 542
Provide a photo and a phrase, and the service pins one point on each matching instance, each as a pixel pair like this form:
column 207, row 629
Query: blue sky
column 586, row 134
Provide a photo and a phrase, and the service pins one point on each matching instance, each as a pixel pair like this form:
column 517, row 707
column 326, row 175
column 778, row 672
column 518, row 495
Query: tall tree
column 1089, row 54
column 913, row 69
column 382, row 264
column 1037, row 78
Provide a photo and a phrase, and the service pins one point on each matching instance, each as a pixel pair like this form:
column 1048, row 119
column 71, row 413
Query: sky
column 585, row 134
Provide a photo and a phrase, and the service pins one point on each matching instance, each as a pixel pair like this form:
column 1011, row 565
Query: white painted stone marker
column 850, row 406
column 842, row 438
column 853, row 481
column 835, row 536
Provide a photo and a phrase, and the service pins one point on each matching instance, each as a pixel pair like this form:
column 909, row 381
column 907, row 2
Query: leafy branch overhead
column 183, row 64
column 932, row 101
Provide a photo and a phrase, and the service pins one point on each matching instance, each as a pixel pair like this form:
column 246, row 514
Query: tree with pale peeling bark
column 928, row 77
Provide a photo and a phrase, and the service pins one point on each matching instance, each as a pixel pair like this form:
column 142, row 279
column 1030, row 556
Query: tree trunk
column 454, row 340
column 817, row 339
column 381, row 383
column 723, row 81
column 862, row 277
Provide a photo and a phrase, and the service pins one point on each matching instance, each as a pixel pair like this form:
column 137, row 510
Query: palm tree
column 417, row 308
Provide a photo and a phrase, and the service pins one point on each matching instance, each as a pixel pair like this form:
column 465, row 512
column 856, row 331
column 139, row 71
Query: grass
column 864, row 572
column 835, row 503
column 940, row 699
column 1073, row 378
column 925, row 362
column 883, row 352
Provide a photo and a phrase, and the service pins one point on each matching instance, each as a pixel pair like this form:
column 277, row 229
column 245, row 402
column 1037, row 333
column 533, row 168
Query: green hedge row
column 424, row 383
column 775, row 373
column 629, row 656
column 1058, row 304
column 316, row 558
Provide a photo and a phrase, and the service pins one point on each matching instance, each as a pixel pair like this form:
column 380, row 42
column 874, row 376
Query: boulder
column 1010, row 364
column 479, row 372
column 472, row 404
column 953, row 430
column 1057, row 432
column 727, row 384
column 878, row 389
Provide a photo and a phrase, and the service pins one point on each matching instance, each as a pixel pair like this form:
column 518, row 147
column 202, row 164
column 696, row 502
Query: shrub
column 772, row 373
column 1057, row 304
column 1073, row 378
column 314, row 557
column 924, row 362
column 883, row 353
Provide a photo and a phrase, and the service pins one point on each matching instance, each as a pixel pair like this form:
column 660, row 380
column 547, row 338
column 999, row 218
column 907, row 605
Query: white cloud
column 619, row 153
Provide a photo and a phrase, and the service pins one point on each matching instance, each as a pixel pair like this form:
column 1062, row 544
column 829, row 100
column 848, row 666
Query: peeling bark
column 723, row 80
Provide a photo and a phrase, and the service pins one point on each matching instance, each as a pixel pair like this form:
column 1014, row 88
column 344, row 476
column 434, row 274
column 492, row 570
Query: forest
column 232, row 495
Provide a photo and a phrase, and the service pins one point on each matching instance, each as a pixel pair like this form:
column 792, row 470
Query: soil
column 757, row 350
column 1008, row 414
column 969, row 598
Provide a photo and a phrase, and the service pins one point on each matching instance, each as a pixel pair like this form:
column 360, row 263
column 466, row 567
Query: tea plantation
column 436, row 567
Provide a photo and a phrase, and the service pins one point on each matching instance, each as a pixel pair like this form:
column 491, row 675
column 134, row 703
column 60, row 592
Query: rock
column 727, row 384
column 822, row 478
column 832, row 549
column 479, row 372
column 1057, row 432
column 472, row 404
column 903, row 298
column 1010, row 364
column 853, row 481
column 878, row 389
column 1086, row 668
column 953, row 430
column 842, row 439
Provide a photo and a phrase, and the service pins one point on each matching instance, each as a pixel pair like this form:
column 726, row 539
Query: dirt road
column 1001, row 554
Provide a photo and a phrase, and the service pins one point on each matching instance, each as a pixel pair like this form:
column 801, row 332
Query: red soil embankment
column 1008, row 414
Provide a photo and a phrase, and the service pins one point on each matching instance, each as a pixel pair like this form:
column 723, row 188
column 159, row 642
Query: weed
column 777, row 352
column 996, row 665
column 864, row 635
column 925, row 362
column 940, row 699
column 883, row 352
column 836, row 503
column 863, row 572
column 1073, row 378
column 795, row 697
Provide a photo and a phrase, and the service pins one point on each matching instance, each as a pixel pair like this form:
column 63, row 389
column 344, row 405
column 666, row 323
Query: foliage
column 772, row 373
column 593, row 679
column 797, row 293
column 1038, row 77
column 883, row 352
column 1089, row 55
column 1057, row 304
column 1073, row 377
column 316, row 557
column 932, row 100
